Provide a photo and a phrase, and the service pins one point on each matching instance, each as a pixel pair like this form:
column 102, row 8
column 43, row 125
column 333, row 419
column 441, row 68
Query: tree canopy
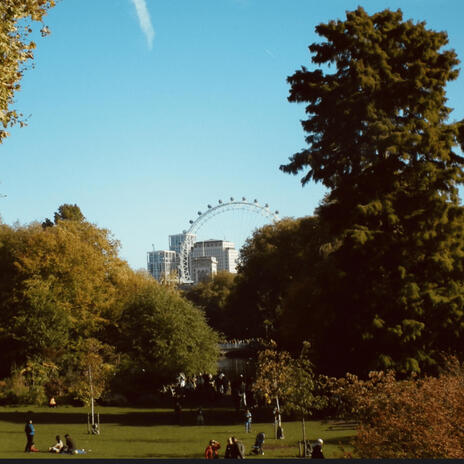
column 213, row 297
column 67, row 301
column 379, row 137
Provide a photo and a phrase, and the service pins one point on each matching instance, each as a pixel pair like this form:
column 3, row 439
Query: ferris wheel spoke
column 212, row 211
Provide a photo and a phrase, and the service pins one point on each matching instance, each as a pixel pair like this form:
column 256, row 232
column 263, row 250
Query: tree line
column 69, row 304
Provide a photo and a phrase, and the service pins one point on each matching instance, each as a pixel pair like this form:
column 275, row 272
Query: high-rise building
column 205, row 258
column 162, row 264
column 175, row 241
column 223, row 251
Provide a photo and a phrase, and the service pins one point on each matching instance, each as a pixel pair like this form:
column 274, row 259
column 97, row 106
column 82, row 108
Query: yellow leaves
column 14, row 49
column 77, row 267
column 378, row 322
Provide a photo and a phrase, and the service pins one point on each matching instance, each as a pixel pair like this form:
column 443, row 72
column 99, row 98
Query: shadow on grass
column 343, row 440
column 132, row 418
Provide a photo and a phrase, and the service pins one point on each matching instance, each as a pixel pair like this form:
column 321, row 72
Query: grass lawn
column 151, row 433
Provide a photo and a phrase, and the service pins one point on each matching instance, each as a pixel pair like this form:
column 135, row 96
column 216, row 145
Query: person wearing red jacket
column 211, row 451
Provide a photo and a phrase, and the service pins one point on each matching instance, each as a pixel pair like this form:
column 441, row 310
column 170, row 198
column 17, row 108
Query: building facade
column 224, row 252
column 175, row 241
column 205, row 258
column 162, row 264
column 203, row 268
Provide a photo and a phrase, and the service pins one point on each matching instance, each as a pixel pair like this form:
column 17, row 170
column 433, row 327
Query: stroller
column 258, row 446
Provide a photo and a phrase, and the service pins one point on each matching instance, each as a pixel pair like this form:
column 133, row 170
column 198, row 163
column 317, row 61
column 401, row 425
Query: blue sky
column 144, row 124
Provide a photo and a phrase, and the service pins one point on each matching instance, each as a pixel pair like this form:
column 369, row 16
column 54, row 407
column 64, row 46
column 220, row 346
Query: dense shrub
column 410, row 418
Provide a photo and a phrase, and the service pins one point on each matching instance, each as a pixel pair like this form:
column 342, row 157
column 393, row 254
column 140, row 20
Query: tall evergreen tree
column 380, row 139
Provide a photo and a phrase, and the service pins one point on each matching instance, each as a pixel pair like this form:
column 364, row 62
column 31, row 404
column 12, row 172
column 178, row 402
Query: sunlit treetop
column 16, row 51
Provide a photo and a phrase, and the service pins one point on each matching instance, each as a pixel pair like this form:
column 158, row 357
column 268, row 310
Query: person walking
column 30, row 433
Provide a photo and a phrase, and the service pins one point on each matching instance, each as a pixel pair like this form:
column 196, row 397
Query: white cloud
column 269, row 53
column 145, row 20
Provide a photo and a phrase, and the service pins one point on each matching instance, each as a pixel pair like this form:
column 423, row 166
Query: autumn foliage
column 71, row 308
column 16, row 51
column 405, row 419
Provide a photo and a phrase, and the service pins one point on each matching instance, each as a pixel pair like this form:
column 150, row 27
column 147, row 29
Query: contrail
column 144, row 20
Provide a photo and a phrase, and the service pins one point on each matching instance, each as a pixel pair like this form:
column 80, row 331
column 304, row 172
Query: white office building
column 224, row 252
column 162, row 264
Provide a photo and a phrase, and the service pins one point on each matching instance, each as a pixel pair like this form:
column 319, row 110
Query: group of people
column 68, row 447
column 234, row 449
column 210, row 388
column 202, row 387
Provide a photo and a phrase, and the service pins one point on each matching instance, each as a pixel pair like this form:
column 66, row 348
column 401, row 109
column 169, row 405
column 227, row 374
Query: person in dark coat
column 70, row 445
column 230, row 444
column 317, row 449
column 30, row 433
column 238, row 449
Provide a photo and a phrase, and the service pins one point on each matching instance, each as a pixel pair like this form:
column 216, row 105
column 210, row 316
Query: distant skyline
column 143, row 112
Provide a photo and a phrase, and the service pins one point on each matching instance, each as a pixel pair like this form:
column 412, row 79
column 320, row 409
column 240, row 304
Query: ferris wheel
column 203, row 217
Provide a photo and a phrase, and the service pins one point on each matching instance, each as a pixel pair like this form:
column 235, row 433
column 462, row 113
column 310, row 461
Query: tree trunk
column 91, row 397
column 277, row 423
column 304, row 436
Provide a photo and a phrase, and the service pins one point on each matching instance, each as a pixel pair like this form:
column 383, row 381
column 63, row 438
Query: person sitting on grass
column 211, row 451
column 238, row 449
column 258, row 446
column 317, row 449
column 70, row 445
column 229, row 448
column 56, row 448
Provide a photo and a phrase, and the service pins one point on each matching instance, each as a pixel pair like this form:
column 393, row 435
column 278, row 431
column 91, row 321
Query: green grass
column 151, row 433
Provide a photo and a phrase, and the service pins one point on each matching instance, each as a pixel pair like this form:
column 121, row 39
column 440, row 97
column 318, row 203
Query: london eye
column 204, row 217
